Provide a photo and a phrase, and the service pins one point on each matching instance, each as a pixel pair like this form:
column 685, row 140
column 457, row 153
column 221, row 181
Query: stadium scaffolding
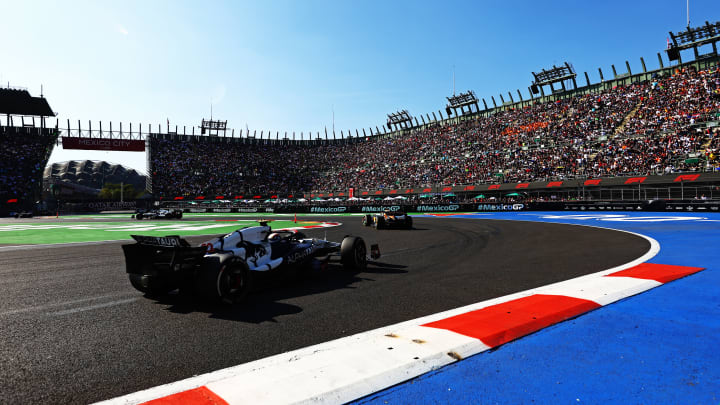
column 399, row 120
column 466, row 102
column 558, row 74
column 17, row 103
column 694, row 38
column 212, row 127
column 249, row 136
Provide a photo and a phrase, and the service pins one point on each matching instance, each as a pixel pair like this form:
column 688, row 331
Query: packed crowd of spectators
column 641, row 128
column 220, row 168
column 23, row 158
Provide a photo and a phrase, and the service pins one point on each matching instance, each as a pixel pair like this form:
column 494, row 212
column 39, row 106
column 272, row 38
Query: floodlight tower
column 399, row 120
column 558, row 74
column 466, row 102
column 694, row 38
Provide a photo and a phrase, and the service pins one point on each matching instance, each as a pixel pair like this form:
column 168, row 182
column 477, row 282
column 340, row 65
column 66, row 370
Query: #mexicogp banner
column 125, row 145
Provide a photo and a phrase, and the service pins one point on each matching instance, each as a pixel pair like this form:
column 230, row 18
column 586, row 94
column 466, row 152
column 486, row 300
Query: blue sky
column 286, row 65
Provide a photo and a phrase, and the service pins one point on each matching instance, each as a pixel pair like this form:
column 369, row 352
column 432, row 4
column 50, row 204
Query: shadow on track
column 264, row 303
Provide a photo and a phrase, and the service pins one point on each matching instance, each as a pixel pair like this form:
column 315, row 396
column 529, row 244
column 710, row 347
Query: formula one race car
column 388, row 219
column 157, row 214
column 23, row 214
column 223, row 269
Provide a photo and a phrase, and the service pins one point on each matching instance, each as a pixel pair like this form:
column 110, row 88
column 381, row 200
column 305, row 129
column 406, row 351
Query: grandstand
column 651, row 124
column 27, row 143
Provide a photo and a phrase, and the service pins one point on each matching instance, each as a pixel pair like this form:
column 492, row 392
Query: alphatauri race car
column 388, row 219
column 222, row 269
column 157, row 214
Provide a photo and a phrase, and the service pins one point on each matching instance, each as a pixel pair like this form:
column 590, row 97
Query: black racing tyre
column 408, row 222
column 353, row 253
column 179, row 216
column 132, row 216
column 379, row 222
column 367, row 220
column 148, row 286
column 225, row 279
column 139, row 216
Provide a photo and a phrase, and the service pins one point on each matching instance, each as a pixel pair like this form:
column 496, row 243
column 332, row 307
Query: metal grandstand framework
column 466, row 102
column 558, row 74
column 213, row 127
column 16, row 104
column 399, row 120
column 694, row 38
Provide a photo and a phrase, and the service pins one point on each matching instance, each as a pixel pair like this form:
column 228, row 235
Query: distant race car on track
column 157, row 214
column 223, row 269
column 388, row 219
column 23, row 214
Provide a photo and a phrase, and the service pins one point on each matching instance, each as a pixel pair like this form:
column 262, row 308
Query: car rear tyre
column 379, row 222
column 353, row 253
column 408, row 222
column 151, row 288
column 225, row 279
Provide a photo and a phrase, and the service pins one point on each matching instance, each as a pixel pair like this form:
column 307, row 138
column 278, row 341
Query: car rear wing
column 156, row 255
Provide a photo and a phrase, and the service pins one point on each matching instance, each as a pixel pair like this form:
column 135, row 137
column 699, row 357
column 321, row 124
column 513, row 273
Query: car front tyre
column 353, row 254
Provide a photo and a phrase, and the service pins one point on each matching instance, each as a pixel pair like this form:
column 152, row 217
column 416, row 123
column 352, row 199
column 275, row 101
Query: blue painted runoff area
column 659, row 347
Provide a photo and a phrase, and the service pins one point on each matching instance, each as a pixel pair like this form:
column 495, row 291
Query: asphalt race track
column 73, row 330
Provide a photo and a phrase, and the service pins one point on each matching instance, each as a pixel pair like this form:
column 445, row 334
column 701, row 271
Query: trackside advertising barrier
column 98, row 206
column 341, row 209
column 249, row 210
column 627, row 205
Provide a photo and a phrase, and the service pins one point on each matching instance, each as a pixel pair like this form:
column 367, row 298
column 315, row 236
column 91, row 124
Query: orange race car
column 388, row 219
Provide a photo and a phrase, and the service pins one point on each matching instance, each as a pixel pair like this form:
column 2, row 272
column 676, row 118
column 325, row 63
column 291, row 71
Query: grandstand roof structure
column 20, row 102
column 466, row 102
column 93, row 173
column 401, row 119
column 693, row 37
column 557, row 74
